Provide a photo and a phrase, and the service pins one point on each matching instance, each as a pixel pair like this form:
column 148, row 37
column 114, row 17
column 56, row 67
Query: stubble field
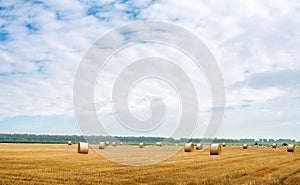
column 60, row 164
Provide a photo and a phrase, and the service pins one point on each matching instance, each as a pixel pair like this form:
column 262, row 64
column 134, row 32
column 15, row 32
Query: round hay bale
column 107, row 143
column 199, row 147
column 114, row 143
column 291, row 148
column 274, row 145
column 70, row 142
column 245, row 146
column 121, row 143
column 176, row 145
column 189, row 147
column 83, row 148
column 142, row 145
column 215, row 149
column 102, row 145
column 159, row 144
column 224, row 144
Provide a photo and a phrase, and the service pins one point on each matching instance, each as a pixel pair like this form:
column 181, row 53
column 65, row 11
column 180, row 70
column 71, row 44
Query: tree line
column 33, row 138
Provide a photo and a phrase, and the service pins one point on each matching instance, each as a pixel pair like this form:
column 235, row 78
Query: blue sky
column 256, row 44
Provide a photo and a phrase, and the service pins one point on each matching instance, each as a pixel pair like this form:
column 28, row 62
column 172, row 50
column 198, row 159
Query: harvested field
column 61, row 164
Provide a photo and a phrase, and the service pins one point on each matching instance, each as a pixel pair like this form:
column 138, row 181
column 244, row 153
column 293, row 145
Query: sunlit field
column 61, row 164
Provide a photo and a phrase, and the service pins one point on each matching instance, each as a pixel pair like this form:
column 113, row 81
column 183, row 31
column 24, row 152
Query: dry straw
column 189, row 147
column 274, row 145
column 291, row 147
column 142, row 145
column 159, row 144
column 199, row 147
column 245, row 146
column 215, row 149
column 102, row 145
column 70, row 142
column 83, row 148
column 114, row 143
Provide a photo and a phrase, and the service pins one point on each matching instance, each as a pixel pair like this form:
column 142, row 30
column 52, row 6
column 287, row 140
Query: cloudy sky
column 256, row 45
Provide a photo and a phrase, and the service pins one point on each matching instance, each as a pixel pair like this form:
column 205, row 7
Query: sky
column 255, row 43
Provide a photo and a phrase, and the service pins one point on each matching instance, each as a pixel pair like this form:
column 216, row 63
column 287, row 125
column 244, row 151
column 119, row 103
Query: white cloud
column 38, row 62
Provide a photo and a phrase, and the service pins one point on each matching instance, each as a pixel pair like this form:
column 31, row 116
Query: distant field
column 60, row 164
